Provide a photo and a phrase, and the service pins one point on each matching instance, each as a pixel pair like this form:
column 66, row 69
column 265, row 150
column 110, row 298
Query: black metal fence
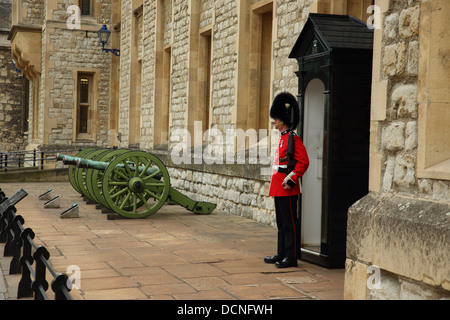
column 19, row 245
column 34, row 158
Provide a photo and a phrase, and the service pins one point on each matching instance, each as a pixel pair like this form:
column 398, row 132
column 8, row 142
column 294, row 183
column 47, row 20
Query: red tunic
column 276, row 186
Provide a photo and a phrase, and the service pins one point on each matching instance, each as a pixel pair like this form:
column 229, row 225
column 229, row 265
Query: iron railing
column 34, row 158
column 19, row 245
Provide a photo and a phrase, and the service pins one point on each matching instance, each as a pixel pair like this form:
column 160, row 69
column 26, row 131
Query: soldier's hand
column 286, row 186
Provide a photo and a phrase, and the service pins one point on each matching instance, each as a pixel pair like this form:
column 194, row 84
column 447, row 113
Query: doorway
column 313, row 125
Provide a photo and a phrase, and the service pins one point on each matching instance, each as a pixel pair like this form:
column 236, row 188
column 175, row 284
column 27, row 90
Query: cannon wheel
column 93, row 180
column 72, row 169
column 130, row 192
column 95, row 177
column 80, row 174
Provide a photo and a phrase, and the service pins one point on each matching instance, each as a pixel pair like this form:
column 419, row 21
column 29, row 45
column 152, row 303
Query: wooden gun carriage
column 132, row 183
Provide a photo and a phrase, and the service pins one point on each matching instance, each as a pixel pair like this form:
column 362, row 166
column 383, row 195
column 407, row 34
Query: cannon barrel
column 99, row 165
column 82, row 163
column 132, row 183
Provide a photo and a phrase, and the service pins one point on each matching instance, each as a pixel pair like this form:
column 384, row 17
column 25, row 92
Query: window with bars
column 84, row 102
column 85, row 6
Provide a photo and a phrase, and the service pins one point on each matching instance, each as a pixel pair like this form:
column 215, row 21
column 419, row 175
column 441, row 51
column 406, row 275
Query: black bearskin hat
column 283, row 107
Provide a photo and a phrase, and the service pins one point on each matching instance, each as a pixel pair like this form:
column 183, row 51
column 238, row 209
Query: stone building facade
column 12, row 125
column 56, row 47
column 191, row 72
column 211, row 66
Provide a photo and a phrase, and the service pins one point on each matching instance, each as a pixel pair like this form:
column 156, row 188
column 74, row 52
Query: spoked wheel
column 72, row 169
column 80, row 174
column 136, row 184
column 93, row 178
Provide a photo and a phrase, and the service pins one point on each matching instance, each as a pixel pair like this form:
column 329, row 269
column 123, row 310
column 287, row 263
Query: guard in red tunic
column 291, row 162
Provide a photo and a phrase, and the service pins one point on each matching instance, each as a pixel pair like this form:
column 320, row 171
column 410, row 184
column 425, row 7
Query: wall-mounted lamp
column 14, row 65
column 103, row 37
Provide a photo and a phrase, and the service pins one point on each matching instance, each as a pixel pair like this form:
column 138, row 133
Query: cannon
column 132, row 183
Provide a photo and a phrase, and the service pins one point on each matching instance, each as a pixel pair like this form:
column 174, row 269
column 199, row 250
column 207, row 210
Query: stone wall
column 233, row 194
column 148, row 79
column 224, row 64
column 12, row 138
column 70, row 50
column 180, row 65
column 11, row 82
column 399, row 132
column 5, row 14
column 402, row 242
column 291, row 16
column 400, row 232
column 223, row 16
column 396, row 122
column 32, row 12
column 125, row 43
column 65, row 52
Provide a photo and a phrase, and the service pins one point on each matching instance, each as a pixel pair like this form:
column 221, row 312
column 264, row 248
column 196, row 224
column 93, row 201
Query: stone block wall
column 69, row 50
column 397, row 248
column 224, row 64
column 402, row 228
column 148, row 80
column 33, row 12
column 291, row 17
column 66, row 52
column 5, row 14
column 222, row 16
column 233, row 194
column 398, row 132
column 125, row 43
column 180, row 65
column 11, row 82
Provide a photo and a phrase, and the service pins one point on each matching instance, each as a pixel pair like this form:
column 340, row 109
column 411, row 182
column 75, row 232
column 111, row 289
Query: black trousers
column 288, row 227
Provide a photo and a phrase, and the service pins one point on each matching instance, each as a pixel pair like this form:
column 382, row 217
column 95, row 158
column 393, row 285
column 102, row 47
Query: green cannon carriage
column 132, row 183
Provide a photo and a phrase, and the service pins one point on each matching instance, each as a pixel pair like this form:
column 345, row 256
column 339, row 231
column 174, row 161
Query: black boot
column 286, row 263
column 274, row 259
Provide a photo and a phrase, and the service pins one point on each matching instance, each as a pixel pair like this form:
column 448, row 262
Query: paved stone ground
column 174, row 254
